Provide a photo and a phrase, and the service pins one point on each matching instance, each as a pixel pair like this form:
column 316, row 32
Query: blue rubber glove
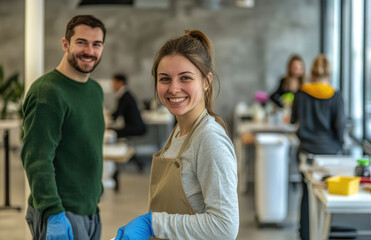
column 59, row 228
column 138, row 229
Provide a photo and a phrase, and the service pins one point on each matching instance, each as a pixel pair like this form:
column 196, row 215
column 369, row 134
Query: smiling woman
column 200, row 55
column 193, row 186
column 180, row 87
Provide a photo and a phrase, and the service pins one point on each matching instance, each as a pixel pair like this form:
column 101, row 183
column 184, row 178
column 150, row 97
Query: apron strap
column 203, row 114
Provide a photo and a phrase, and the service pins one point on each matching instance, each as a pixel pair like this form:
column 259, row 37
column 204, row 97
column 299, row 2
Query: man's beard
column 72, row 59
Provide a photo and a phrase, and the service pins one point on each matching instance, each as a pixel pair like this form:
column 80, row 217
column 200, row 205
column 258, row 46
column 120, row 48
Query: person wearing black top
column 127, row 109
column 295, row 77
column 127, row 121
column 319, row 111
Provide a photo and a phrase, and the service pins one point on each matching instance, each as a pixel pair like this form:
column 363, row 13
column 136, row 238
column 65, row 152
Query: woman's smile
column 177, row 100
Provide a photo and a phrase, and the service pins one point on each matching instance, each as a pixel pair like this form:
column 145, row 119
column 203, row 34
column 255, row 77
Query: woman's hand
column 138, row 229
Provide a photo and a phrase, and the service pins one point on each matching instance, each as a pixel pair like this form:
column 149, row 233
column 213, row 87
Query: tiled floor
column 131, row 201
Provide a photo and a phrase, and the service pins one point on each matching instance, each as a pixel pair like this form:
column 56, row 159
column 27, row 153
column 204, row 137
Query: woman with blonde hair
column 319, row 111
column 193, row 183
column 295, row 77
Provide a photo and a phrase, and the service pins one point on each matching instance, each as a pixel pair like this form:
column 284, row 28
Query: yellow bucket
column 343, row 185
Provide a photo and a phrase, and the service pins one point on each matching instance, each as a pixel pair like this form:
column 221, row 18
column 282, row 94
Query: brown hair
column 293, row 58
column 120, row 77
column 88, row 20
column 321, row 67
column 198, row 49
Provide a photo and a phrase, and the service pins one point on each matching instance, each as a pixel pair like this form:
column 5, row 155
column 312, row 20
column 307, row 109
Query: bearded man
column 62, row 143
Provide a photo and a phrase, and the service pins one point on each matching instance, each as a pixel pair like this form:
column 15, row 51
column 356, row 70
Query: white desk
column 322, row 204
column 262, row 127
column 157, row 117
column 357, row 203
column 115, row 153
column 118, row 152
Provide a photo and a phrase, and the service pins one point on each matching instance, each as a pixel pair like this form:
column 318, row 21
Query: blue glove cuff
column 56, row 216
column 150, row 223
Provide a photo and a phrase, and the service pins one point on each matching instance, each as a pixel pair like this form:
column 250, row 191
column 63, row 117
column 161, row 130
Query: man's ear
column 65, row 44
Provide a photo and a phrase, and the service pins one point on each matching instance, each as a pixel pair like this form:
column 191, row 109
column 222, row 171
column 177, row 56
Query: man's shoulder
column 47, row 77
column 43, row 90
column 45, row 82
column 127, row 96
column 95, row 85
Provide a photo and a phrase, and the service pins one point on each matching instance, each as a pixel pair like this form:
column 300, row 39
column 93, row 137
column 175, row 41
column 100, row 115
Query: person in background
column 193, row 183
column 127, row 109
column 63, row 136
column 126, row 120
column 295, row 77
column 319, row 111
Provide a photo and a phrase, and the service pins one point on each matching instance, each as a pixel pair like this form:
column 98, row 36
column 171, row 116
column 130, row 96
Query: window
column 346, row 35
column 332, row 39
column 367, row 71
column 356, row 71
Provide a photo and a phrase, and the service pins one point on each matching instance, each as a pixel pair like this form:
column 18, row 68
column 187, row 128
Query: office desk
column 8, row 125
column 322, row 204
column 265, row 127
column 328, row 204
column 157, row 117
column 119, row 152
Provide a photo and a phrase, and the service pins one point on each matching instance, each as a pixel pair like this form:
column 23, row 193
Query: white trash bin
column 271, row 177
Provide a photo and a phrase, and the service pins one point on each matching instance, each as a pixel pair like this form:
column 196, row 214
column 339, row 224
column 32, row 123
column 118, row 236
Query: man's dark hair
column 120, row 77
column 88, row 20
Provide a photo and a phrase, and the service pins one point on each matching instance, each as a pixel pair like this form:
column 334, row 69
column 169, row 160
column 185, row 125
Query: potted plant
column 11, row 91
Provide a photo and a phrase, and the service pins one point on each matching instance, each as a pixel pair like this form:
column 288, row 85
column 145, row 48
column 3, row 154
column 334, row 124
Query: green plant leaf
column 11, row 90
column 5, row 85
column 13, row 78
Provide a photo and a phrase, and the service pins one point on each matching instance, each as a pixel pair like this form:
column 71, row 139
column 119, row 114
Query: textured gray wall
column 252, row 45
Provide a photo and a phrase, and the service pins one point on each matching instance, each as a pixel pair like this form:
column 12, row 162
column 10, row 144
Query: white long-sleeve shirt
column 209, row 178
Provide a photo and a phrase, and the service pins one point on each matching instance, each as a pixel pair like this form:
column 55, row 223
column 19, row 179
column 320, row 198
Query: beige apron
column 166, row 193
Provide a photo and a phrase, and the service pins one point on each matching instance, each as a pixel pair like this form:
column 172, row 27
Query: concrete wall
column 252, row 45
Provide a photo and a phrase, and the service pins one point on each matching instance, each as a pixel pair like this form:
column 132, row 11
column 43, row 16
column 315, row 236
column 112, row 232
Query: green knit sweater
column 62, row 144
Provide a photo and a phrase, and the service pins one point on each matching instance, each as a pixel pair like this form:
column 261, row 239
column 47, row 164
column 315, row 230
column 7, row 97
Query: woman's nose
column 174, row 87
